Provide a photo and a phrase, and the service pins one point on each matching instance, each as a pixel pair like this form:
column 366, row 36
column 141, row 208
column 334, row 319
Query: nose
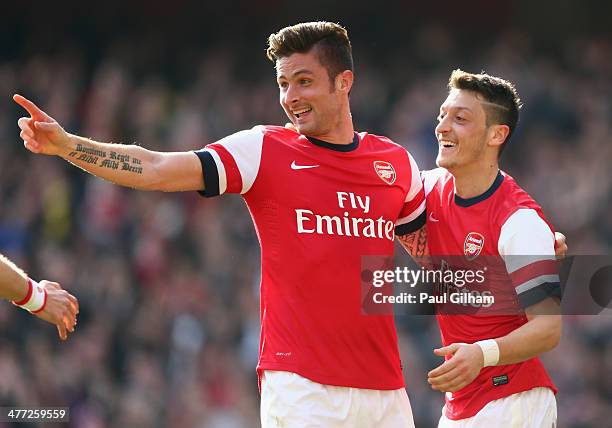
column 443, row 126
column 291, row 95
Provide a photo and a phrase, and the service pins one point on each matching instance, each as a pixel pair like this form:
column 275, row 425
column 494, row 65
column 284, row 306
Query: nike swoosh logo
column 432, row 218
column 296, row 166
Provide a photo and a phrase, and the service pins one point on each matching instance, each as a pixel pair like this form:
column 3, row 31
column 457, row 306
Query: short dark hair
column 504, row 102
column 330, row 39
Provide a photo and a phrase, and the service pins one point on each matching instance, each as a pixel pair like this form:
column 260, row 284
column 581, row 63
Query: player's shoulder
column 380, row 142
column 522, row 218
column 242, row 136
column 512, row 194
column 276, row 131
column 381, row 145
column 258, row 134
column 514, row 203
column 435, row 177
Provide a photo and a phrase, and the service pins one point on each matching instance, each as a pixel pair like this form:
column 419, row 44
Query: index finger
column 30, row 107
column 445, row 367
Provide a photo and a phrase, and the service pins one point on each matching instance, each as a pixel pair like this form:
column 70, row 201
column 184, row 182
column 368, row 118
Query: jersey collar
column 473, row 201
column 336, row 147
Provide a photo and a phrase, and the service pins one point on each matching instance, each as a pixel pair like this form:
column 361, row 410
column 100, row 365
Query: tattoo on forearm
column 415, row 243
column 111, row 160
column 84, row 157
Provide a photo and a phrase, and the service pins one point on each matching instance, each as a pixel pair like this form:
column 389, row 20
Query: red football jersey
column 318, row 208
column 504, row 223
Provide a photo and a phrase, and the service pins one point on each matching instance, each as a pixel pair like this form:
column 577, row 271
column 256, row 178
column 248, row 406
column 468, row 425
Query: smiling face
column 315, row 104
column 462, row 130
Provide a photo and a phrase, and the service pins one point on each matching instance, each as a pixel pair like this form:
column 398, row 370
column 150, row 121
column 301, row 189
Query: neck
column 472, row 181
column 342, row 131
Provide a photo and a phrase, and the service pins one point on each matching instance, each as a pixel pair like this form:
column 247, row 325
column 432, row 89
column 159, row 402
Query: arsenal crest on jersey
column 473, row 244
column 385, row 171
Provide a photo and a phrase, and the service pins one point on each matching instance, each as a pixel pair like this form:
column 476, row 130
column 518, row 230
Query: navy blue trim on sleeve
column 539, row 293
column 211, row 174
column 413, row 226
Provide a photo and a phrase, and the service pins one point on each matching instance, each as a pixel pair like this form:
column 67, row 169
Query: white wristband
column 37, row 297
column 490, row 351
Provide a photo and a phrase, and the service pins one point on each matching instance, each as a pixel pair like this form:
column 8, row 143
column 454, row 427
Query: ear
column 344, row 81
column 498, row 135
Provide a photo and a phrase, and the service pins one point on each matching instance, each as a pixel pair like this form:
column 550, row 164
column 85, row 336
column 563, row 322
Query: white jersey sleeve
column 412, row 216
column 231, row 164
column 527, row 245
column 430, row 178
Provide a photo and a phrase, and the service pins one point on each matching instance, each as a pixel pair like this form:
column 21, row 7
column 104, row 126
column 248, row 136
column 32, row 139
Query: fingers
column 457, row 372
column 448, row 350
column 54, row 285
column 29, row 142
column 74, row 303
column 61, row 330
column 443, row 351
column 559, row 239
column 26, row 124
column 451, row 381
column 30, row 107
column 439, row 381
column 45, row 126
column 32, row 146
column 26, row 135
column 560, row 245
column 66, row 324
column 69, row 321
column 70, row 310
column 452, row 385
column 561, row 251
column 445, row 367
column 61, row 309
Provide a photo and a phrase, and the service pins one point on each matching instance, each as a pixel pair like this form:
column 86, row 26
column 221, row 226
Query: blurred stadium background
column 168, row 283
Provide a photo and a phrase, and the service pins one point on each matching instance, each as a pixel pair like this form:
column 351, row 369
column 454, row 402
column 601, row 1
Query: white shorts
column 535, row 408
column 289, row 400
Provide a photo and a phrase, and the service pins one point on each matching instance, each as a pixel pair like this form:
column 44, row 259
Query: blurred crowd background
column 169, row 283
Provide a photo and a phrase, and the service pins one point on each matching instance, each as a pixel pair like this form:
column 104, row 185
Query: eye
column 283, row 85
column 305, row 81
column 440, row 117
column 460, row 118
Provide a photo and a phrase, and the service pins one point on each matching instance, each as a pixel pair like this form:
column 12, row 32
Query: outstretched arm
column 47, row 300
column 127, row 165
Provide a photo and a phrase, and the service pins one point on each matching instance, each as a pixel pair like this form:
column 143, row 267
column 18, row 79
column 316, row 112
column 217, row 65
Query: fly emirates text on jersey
column 346, row 225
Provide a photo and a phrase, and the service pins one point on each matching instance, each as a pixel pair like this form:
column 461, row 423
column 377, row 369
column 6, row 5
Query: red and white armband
column 35, row 300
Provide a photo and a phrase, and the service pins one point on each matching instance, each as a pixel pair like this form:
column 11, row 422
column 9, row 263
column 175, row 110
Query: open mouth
column 300, row 113
column 447, row 144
